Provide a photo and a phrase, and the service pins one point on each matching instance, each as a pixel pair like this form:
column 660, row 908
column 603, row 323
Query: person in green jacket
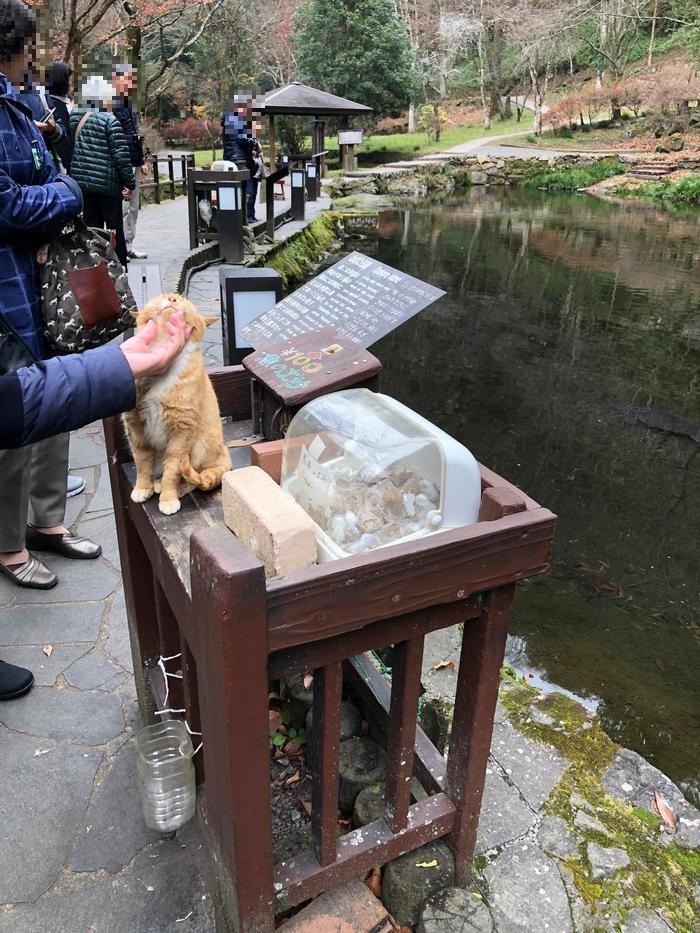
column 101, row 162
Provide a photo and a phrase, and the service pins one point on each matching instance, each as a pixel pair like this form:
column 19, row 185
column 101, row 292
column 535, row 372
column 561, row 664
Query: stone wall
column 420, row 178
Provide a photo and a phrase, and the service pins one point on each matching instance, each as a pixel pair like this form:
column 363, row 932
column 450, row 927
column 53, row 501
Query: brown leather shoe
column 68, row 544
column 32, row 573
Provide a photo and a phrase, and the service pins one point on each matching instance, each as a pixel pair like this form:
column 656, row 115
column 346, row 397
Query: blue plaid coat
column 34, row 202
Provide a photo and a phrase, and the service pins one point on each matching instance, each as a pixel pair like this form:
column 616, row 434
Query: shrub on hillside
column 565, row 178
column 194, row 132
column 671, row 93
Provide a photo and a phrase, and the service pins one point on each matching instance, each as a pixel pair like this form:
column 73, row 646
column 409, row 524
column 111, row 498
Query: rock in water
column 410, row 880
column 361, row 762
column 453, row 910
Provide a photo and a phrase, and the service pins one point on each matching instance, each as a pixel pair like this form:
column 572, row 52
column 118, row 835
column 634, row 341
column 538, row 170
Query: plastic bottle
column 166, row 775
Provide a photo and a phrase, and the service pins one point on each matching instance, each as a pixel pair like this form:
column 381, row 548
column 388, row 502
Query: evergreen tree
column 360, row 49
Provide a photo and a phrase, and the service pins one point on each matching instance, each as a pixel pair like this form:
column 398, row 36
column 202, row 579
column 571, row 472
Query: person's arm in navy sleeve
column 28, row 207
column 65, row 393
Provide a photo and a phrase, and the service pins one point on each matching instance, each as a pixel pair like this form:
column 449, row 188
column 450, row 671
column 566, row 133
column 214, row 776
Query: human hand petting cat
column 147, row 358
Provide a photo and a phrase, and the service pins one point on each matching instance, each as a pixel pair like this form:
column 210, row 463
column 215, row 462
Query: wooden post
column 192, row 210
column 325, row 736
column 169, row 645
column 483, row 647
column 171, row 176
column 156, row 179
column 273, row 152
column 405, row 687
column 229, row 602
column 183, row 169
column 137, row 576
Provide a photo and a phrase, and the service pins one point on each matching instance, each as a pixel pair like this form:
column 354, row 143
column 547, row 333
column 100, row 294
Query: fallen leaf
column 275, row 720
column 660, row 664
column 293, row 779
column 292, row 747
column 663, row 811
column 306, row 805
column 433, row 864
column 274, row 695
column 48, row 650
column 308, row 680
column 442, row 665
column 346, row 824
column 242, row 442
column 374, row 882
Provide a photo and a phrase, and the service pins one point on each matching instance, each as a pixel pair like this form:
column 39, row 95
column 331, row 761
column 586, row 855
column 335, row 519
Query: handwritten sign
column 358, row 296
column 303, row 367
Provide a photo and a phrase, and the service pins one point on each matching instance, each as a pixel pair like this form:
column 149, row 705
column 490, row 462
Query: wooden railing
column 192, row 589
column 172, row 186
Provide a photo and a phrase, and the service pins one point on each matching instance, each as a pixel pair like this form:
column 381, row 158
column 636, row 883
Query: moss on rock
column 296, row 256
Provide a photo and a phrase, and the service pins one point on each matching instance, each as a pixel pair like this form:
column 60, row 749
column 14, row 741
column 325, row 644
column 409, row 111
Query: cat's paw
column 157, row 486
column 140, row 495
column 169, row 506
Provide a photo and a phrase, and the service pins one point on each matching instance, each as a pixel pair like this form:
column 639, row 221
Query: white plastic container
column 166, row 775
column 371, row 472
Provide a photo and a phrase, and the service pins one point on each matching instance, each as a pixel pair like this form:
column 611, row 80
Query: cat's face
column 160, row 308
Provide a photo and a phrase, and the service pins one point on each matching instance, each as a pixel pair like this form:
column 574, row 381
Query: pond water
column 566, row 356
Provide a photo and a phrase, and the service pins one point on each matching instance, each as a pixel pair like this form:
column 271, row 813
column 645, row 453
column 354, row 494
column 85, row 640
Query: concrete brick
column 351, row 908
column 268, row 521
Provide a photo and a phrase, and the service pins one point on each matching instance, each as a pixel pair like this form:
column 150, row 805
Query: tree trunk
column 412, row 117
column 494, row 56
column 536, row 98
column 508, row 107
column 482, row 82
column 653, row 33
column 436, row 117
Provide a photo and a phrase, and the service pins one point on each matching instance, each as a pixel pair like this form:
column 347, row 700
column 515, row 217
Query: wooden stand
column 189, row 582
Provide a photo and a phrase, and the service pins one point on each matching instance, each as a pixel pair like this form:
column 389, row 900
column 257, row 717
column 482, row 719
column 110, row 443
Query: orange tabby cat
column 176, row 420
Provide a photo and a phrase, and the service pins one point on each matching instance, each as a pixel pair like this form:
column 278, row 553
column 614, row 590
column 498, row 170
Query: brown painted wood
column 232, row 387
column 449, row 566
column 191, row 701
column 375, row 692
column 137, row 576
column 284, row 664
column 228, row 601
column 169, row 646
column 403, row 712
column 325, row 742
column 497, row 501
column 483, row 647
column 362, row 849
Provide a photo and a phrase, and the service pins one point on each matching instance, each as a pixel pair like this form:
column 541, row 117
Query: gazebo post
column 273, row 160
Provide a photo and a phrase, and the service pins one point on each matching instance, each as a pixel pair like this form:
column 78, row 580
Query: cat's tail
column 208, row 479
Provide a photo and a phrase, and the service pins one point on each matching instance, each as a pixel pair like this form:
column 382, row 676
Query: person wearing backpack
column 101, row 162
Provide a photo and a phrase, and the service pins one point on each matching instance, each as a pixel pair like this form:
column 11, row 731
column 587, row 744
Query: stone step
column 351, row 908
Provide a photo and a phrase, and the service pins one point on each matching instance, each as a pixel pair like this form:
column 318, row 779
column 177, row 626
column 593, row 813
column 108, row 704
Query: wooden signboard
column 304, row 367
column 359, row 297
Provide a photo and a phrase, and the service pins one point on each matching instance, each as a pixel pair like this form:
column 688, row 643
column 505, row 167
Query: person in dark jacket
column 101, row 162
column 124, row 83
column 240, row 146
column 67, row 392
column 35, row 202
column 58, row 85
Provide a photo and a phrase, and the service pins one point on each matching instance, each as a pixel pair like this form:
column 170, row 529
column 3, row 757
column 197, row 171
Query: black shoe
column 32, row 573
column 14, row 681
column 67, row 544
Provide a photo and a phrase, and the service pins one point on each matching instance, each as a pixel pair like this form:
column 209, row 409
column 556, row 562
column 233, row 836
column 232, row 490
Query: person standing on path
column 101, row 162
column 124, row 83
column 58, row 78
column 35, row 201
column 240, row 146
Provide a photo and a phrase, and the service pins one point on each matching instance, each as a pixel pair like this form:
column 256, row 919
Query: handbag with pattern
column 85, row 295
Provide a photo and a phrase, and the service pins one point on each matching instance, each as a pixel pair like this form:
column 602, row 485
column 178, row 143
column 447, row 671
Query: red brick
column 351, row 908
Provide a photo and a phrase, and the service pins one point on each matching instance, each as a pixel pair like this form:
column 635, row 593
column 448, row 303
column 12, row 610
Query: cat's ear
column 211, row 320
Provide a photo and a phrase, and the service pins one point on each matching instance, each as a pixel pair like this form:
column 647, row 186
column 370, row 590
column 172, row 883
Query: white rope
column 162, row 712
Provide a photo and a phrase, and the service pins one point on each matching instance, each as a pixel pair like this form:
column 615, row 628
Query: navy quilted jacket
column 101, row 162
column 34, row 203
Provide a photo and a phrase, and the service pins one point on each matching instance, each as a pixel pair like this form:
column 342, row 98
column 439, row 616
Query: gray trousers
column 130, row 211
column 32, row 488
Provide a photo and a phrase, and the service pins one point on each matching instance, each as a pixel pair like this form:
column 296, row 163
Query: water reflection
column 570, row 326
